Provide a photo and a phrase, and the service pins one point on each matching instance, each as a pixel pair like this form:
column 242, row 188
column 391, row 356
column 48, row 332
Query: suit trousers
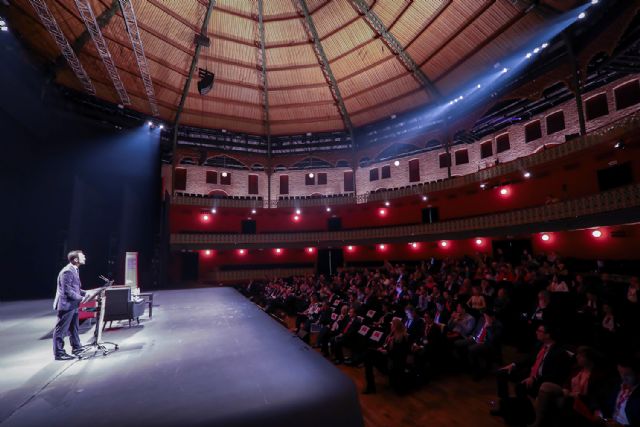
column 67, row 322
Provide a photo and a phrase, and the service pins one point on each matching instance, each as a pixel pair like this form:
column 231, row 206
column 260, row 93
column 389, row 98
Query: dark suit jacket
column 415, row 329
column 494, row 333
column 68, row 293
column 555, row 367
column 632, row 410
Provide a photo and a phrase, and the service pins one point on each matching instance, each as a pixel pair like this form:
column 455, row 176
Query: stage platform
column 209, row 357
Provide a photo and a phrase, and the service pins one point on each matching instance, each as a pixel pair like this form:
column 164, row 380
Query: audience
column 456, row 315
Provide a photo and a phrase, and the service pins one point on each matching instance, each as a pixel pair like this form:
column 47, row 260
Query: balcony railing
column 613, row 200
column 609, row 132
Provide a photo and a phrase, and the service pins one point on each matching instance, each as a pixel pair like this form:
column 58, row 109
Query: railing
column 240, row 275
column 215, row 202
column 608, row 132
column 621, row 198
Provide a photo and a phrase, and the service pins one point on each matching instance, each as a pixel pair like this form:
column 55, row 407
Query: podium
column 97, row 345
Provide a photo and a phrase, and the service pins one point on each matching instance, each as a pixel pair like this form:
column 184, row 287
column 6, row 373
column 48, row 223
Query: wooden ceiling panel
column 302, row 112
column 231, row 73
column 291, row 57
column 312, row 126
column 296, row 77
column 222, row 122
column 278, row 8
column 382, row 94
column 230, row 52
column 284, row 32
column 231, row 26
column 361, row 58
column 403, row 103
column 333, row 17
column 211, row 107
column 245, row 8
column 413, row 20
column 347, row 38
column 372, row 76
column 389, row 10
column 300, row 96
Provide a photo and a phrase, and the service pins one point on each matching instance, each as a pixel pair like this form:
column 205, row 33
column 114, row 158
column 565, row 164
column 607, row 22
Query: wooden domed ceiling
column 446, row 40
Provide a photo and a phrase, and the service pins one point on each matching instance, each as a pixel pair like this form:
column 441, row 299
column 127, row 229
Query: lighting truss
column 134, row 35
column 51, row 25
column 393, row 43
column 86, row 12
column 262, row 63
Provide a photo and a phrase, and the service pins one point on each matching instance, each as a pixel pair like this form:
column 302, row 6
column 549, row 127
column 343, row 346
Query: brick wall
column 429, row 161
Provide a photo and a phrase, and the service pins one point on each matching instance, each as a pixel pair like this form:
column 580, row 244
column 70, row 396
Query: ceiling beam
column 187, row 84
column 378, row 26
column 102, row 20
column 131, row 23
column 52, row 26
column 325, row 67
column 93, row 28
column 262, row 66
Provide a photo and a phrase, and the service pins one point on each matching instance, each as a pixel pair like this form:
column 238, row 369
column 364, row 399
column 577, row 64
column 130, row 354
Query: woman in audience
column 390, row 359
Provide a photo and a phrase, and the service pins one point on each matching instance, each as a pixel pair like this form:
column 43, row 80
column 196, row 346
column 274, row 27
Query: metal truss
column 134, row 35
column 326, row 69
column 262, row 64
column 87, row 15
column 51, row 25
column 378, row 26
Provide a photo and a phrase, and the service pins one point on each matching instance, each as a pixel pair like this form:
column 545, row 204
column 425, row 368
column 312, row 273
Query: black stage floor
column 209, row 357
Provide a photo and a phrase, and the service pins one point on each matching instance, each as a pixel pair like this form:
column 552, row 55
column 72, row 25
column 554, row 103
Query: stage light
column 461, row 97
column 296, row 218
column 536, row 50
column 205, row 217
column 504, row 70
column 544, row 45
column 504, row 191
column 619, row 145
column 425, row 198
column 414, row 245
column 214, row 210
column 527, row 174
column 382, row 246
column 253, row 211
column 382, row 212
column 149, row 123
column 596, row 233
column 3, row 23
column 4, row 28
column 396, row 163
column 206, row 81
column 310, row 250
column 350, row 248
column 387, row 204
column 207, row 252
column 311, row 175
column 444, row 243
column 582, row 15
column 328, row 209
column 529, row 55
column 278, row 250
column 545, row 237
column 478, row 242
column 224, row 174
column 241, row 251
column 594, row 1
column 479, row 86
column 483, row 186
column 161, row 127
column 298, row 211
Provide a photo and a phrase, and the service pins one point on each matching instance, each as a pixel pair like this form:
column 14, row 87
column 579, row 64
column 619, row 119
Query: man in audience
column 482, row 346
column 621, row 407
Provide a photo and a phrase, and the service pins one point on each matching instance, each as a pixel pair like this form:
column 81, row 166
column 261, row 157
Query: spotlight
column 414, row 245
column 207, row 252
column 2, row 23
column 619, row 145
column 213, row 210
column 310, row 250
column 387, row 204
column 382, row 212
column 478, row 242
column 504, row 191
column 582, row 15
column 161, row 127
column 278, row 250
column 536, row 50
column 594, row 1
column 298, row 211
column 328, row 209
column 479, row 86
column 253, row 211
column 527, row 174
column 444, row 243
column 529, row 55
column 205, row 217
column 425, row 198
column 224, row 174
column 504, row 70
column 4, row 28
column 296, row 218
column 241, row 251
column 461, row 97
column 483, row 185
column 544, row 45
column 545, row 237
column 382, row 247
column 206, row 81
column 149, row 123
column 311, row 175
column 350, row 248
column 396, row 163
column 596, row 233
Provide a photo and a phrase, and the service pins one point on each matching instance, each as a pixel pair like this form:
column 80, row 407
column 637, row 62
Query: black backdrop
column 68, row 182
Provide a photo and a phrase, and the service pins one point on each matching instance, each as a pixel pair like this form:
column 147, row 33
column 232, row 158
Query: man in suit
column 347, row 334
column 550, row 363
column 621, row 407
column 482, row 346
column 67, row 301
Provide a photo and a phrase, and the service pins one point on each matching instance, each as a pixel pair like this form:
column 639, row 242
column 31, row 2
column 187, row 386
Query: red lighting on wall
column 350, row 248
column 479, row 242
column 382, row 247
column 504, row 191
column 207, row 252
column 382, row 212
column 545, row 237
column 278, row 251
column 242, row 251
column 310, row 250
column 596, row 233
column 444, row 243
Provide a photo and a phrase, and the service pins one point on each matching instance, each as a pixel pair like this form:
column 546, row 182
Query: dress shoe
column 65, row 356
column 77, row 351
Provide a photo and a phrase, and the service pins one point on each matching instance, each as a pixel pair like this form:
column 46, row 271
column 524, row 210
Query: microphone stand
column 97, row 345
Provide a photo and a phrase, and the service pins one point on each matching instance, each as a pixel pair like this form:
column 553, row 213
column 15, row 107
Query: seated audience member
column 482, row 346
column 557, row 285
column 621, row 406
column 575, row 403
column 413, row 324
column 428, row 351
column 460, row 324
column 476, row 302
column 389, row 359
column 550, row 364
column 346, row 335
column 336, row 326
